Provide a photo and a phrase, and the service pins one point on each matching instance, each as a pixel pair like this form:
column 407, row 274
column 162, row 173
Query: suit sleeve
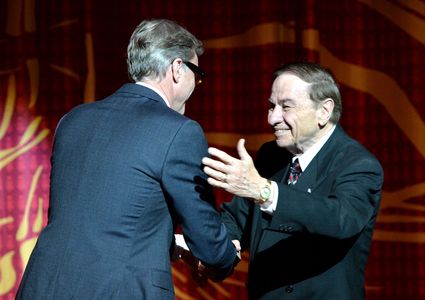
column 193, row 200
column 236, row 216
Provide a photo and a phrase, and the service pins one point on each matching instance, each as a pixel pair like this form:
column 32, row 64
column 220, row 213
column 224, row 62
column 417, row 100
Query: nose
column 275, row 115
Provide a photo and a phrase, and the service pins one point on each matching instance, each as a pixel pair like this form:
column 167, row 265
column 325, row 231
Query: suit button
column 285, row 228
column 289, row 289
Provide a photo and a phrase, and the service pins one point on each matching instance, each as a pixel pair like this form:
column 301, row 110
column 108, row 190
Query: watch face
column 265, row 193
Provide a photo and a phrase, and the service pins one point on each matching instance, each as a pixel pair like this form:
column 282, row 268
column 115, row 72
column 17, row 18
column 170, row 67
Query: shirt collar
column 155, row 90
column 305, row 158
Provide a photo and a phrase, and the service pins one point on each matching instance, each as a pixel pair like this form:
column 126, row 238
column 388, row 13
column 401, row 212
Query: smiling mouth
column 280, row 131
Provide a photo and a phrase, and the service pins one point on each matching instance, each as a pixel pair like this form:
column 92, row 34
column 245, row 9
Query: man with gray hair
column 306, row 210
column 126, row 171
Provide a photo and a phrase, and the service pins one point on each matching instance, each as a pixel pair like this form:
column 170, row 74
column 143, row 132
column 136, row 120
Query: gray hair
column 155, row 44
column 321, row 84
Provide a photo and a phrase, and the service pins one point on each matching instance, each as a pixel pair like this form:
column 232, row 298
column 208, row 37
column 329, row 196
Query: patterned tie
column 294, row 172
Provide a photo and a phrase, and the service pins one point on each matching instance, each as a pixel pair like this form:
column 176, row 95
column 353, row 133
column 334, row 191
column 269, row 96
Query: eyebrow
column 281, row 101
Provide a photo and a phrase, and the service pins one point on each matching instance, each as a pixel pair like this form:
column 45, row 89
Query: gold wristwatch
column 265, row 193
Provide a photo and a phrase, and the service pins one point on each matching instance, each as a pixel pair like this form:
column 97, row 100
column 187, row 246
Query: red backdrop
column 55, row 55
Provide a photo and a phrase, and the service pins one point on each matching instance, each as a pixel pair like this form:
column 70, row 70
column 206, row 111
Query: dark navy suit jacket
column 316, row 244
column 125, row 172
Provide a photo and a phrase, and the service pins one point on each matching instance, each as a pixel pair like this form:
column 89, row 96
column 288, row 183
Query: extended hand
column 200, row 272
column 236, row 176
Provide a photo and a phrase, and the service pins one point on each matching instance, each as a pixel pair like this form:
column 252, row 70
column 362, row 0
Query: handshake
column 200, row 272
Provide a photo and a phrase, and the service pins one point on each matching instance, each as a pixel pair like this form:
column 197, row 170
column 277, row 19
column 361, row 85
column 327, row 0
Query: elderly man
column 309, row 226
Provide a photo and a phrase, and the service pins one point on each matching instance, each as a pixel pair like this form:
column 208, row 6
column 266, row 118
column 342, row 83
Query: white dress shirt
column 156, row 91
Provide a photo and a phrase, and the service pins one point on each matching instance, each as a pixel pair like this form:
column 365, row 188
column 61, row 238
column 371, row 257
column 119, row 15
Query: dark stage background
column 55, row 55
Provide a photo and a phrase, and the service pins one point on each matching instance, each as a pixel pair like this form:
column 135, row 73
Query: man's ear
column 176, row 69
column 326, row 110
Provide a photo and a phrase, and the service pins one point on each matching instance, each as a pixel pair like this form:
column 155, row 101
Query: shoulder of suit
column 351, row 150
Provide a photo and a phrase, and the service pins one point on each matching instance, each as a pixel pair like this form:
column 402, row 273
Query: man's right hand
column 237, row 176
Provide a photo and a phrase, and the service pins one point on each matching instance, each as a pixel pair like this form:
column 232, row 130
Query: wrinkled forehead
column 289, row 86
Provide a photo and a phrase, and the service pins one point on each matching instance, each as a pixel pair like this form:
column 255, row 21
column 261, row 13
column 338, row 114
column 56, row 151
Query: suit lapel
column 308, row 179
column 321, row 164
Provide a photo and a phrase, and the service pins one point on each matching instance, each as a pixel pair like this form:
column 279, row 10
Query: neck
column 325, row 130
column 162, row 85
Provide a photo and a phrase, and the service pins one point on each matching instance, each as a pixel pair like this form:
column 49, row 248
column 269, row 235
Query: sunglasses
column 199, row 73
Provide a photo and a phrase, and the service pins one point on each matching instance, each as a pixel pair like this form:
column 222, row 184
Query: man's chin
column 282, row 143
column 288, row 145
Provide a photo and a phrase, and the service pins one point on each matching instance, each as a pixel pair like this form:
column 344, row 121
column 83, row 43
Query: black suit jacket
column 125, row 171
column 316, row 244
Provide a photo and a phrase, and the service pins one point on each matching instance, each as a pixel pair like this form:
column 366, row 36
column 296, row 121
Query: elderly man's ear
column 326, row 111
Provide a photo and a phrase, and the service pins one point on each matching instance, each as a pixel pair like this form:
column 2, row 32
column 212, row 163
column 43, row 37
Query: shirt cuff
column 180, row 241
